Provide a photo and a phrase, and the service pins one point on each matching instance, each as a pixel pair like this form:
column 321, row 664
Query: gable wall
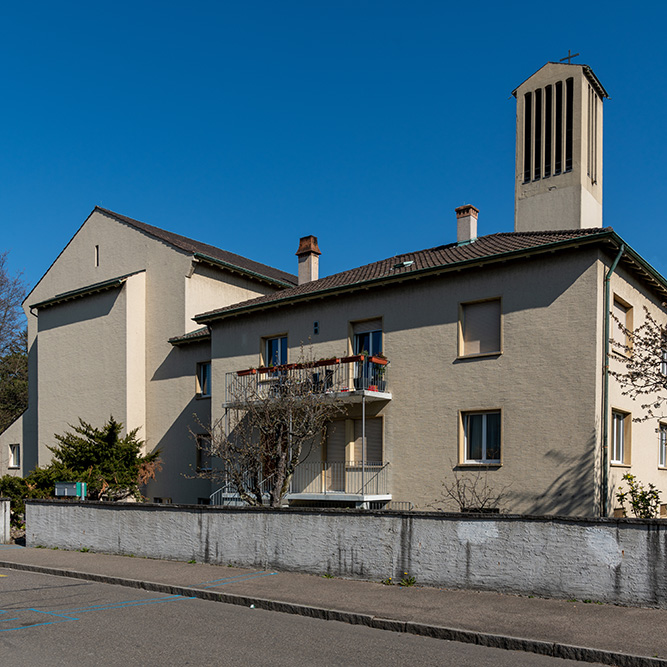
column 108, row 354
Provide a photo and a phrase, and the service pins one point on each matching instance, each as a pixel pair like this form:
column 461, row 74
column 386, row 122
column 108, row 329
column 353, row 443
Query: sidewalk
column 624, row 636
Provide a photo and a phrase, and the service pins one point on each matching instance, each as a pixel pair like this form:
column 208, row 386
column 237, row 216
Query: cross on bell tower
column 569, row 57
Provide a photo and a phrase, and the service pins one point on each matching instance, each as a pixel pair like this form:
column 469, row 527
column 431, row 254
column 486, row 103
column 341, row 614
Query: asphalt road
column 47, row 620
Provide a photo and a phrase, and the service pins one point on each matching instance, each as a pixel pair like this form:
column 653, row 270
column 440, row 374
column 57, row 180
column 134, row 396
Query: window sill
column 615, row 464
column 480, row 355
column 199, row 397
column 13, row 467
column 471, row 464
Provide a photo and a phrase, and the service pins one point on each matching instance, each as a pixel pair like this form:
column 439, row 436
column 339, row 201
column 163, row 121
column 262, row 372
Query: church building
column 486, row 356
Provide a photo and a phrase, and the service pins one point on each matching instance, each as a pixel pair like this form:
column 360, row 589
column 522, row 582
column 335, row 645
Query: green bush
column 645, row 503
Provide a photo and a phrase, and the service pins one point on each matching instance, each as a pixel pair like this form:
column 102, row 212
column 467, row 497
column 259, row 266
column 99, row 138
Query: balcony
column 350, row 379
column 357, row 483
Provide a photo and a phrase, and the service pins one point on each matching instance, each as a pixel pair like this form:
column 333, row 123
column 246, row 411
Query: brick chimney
column 466, row 224
column 309, row 259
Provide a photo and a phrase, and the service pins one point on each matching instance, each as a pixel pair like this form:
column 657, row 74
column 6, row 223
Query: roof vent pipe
column 309, row 259
column 466, row 224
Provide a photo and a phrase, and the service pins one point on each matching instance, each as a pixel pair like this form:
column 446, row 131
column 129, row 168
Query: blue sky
column 250, row 124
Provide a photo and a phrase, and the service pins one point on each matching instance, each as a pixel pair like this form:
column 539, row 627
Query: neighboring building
column 496, row 344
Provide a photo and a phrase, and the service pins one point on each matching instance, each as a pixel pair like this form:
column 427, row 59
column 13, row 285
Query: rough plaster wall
column 177, row 447
column 81, row 346
column 4, row 521
column 209, row 288
column 550, row 321
column 607, row 560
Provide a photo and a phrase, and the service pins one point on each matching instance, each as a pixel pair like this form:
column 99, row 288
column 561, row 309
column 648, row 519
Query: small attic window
column 97, row 255
column 403, row 265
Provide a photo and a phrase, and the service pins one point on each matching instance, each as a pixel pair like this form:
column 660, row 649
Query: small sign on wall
column 72, row 489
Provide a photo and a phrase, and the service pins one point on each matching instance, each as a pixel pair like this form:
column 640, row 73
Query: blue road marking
column 65, row 615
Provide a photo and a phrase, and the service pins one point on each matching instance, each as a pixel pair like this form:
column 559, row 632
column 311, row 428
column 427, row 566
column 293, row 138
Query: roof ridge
column 193, row 246
column 485, row 248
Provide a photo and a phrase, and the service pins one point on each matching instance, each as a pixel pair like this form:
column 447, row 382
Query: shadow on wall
column 79, row 310
column 573, row 489
column 178, row 452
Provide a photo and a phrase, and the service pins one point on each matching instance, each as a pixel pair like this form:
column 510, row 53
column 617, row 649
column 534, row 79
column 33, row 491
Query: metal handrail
column 348, row 374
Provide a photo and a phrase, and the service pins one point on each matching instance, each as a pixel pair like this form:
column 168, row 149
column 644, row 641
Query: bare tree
column 13, row 358
column 269, row 425
column 471, row 492
column 12, row 291
column 643, row 357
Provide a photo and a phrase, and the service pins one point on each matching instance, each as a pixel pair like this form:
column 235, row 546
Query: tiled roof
column 208, row 251
column 192, row 337
column 485, row 247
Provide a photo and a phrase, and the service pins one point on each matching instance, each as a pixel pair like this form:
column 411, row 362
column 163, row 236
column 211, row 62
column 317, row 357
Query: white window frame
column 620, row 437
column 662, row 446
column 465, row 416
column 14, row 456
column 204, row 379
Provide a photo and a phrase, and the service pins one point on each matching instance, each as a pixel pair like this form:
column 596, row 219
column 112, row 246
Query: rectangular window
column 373, row 441
column 481, row 437
column 337, row 441
column 620, row 437
column 203, row 455
column 479, row 328
column 276, row 351
column 663, row 356
column 368, row 341
column 204, row 378
column 14, row 456
column 621, row 327
column 663, row 446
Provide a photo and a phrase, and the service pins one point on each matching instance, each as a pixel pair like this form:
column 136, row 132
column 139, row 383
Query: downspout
column 605, row 385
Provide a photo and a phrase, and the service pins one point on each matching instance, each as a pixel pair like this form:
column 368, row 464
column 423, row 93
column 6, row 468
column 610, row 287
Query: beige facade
column 545, row 379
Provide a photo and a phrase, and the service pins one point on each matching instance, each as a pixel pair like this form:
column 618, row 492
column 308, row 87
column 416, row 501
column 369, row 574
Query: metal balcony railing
column 353, row 478
column 327, row 376
column 227, row 494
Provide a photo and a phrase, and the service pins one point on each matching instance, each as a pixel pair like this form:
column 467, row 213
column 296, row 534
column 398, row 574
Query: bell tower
column 558, row 177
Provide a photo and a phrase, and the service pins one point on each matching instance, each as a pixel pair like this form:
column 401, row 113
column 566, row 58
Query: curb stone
column 552, row 649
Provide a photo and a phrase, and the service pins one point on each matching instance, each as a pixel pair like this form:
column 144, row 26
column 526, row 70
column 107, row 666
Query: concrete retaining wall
column 611, row 560
column 4, row 521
